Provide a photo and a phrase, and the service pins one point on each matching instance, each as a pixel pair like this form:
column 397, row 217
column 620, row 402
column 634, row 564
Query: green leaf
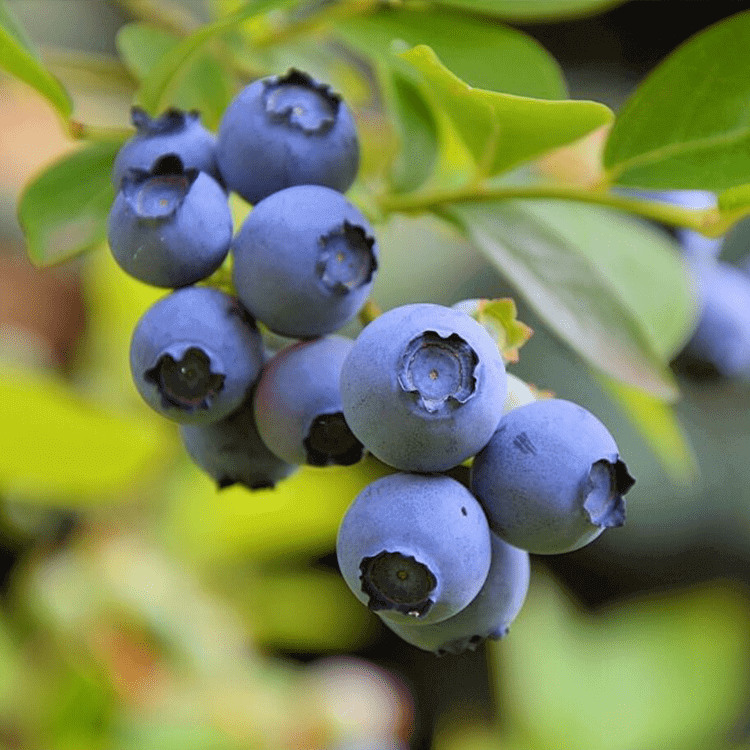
column 164, row 76
column 64, row 210
column 299, row 517
column 688, row 124
column 418, row 148
column 470, row 47
column 502, row 130
column 661, row 672
column 58, row 447
column 499, row 317
column 334, row 619
column 19, row 61
column 658, row 425
column 204, row 84
column 13, row 26
column 532, row 10
column 612, row 288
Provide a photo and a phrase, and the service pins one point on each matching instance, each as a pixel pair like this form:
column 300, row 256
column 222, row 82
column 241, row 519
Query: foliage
column 447, row 133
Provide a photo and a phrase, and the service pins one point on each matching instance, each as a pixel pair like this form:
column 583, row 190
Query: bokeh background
column 142, row 609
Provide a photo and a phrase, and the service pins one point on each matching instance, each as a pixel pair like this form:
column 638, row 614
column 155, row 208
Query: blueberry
column 490, row 613
column 195, row 354
column 232, row 452
column 414, row 548
column 551, row 479
column 174, row 132
column 304, row 261
column 298, row 404
column 423, row 387
column 169, row 227
column 283, row 131
column 722, row 336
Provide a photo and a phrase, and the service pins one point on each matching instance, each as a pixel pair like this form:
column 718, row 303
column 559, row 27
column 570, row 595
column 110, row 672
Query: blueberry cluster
column 423, row 388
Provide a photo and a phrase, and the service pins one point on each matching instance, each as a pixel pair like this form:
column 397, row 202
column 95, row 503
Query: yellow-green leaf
column 657, row 423
column 58, row 447
column 663, row 672
column 502, row 130
column 300, row 516
column 19, row 61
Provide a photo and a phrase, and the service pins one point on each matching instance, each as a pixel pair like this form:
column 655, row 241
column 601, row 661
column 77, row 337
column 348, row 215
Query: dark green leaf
column 502, row 130
column 532, row 10
column 688, row 124
column 609, row 286
column 64, row 211
column 17, row 60
column 486, row 55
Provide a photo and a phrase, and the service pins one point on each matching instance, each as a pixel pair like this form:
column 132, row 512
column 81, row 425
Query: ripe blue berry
column 551, row 479
column 287, row 130
column 423, row 387
column 414, row 548
column 490, row 613
column 175, row 132
column 304, row 261
column 722, row 336
column 232, row 452
column 298, row 404
column 169, row 227
column 195, row 354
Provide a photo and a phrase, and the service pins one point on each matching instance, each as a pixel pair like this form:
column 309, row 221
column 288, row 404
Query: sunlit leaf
column 502, row 130
column 300, row 516
column 58, row 447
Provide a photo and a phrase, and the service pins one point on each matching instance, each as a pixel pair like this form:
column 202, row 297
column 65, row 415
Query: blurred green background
column 142, row 609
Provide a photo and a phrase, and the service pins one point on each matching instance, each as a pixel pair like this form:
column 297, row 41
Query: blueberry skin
column 232, row 452
column 490, row 613
column 722, row 335
column 195, row 354
column 304, row 261
column 423, row 387
column 298, row 404
column 286, row 130
column 169, row 227
column 174, row 132
column 431, row 522
column 551, row 479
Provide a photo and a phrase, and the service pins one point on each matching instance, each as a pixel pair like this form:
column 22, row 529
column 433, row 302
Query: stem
column 707, row 221
column 82, row 132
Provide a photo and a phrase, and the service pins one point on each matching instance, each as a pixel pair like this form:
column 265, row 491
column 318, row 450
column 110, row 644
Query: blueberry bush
column 295, row 428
